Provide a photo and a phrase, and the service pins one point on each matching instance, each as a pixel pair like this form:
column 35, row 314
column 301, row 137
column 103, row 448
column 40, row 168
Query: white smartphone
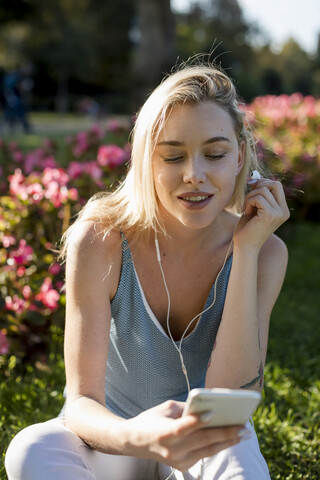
column 230, row 407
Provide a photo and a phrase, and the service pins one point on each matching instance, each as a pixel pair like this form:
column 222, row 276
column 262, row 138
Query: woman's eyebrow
column 217, row 139
column 171, row 143
column 175, row 143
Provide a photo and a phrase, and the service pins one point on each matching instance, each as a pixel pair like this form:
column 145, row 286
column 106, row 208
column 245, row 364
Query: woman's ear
column 241, row 155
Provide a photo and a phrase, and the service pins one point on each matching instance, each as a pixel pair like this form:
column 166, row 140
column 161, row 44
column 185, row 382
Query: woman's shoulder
column 273, row 261
column 274, row 250
column 95, row 254
column 90, row 236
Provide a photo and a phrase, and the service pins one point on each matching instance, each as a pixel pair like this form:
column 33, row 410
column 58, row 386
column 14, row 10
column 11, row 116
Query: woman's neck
column 185, row 241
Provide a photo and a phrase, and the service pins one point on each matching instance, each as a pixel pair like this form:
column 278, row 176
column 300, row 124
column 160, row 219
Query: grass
column 58, row 127
column 54, row 126
column 287, row 422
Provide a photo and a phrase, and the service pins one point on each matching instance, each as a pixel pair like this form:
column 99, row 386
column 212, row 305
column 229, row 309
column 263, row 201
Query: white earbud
column 255, row 175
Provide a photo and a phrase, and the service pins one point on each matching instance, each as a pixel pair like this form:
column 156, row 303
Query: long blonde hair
column 133, row 205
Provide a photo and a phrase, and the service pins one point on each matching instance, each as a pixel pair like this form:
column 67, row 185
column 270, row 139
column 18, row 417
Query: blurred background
column 99, row 56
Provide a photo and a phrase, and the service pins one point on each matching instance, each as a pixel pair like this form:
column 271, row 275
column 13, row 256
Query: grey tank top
column 143, row 368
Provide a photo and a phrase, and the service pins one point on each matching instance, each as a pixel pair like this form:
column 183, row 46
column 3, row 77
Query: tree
column 218, row 29
column 70, row 42
column 154, row 52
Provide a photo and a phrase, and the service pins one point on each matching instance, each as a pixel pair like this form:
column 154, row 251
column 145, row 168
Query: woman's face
column 195, row 164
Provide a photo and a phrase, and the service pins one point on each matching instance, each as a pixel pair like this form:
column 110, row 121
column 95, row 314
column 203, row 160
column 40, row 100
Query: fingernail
column 251, row 182
column 207, row 416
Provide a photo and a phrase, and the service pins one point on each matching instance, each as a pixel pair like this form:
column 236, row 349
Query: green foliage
column 288, row 421
column 30, row 393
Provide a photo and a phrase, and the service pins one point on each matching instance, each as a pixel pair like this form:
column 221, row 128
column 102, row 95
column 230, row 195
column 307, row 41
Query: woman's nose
column 194, row 171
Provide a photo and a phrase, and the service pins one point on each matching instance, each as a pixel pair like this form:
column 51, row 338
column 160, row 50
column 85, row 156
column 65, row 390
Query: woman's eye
column 216, row 157
column 172, row 159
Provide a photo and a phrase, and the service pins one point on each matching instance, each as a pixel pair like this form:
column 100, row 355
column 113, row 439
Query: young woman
column 179, row 237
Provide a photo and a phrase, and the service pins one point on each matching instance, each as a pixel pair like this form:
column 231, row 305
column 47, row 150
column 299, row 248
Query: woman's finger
column 264, row 192
column 274, row 186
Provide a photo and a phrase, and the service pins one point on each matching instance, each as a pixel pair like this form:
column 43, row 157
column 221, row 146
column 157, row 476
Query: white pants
column 50, row 451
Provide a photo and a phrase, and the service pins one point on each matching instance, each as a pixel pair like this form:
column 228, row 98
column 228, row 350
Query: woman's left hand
column 265, row 209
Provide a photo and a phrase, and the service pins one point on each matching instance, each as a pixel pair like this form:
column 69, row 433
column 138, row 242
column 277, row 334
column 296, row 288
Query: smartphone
column 230, row 407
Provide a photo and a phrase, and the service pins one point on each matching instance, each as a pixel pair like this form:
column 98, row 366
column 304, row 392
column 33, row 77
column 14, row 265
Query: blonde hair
column 133, row 205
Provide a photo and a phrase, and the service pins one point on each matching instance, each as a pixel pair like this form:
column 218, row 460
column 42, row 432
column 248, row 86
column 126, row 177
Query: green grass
column 287, row 422
column 58, row 127
column 55, row 126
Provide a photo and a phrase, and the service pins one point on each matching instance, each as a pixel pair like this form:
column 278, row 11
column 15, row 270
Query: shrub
column 39, row 199
column 287, row 129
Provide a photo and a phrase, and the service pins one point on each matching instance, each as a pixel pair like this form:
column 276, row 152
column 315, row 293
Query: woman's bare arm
column 92, row 270
column 258, row 270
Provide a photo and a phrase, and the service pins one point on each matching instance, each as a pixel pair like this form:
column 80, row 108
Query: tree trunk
column 154, row 54
column 62, row 97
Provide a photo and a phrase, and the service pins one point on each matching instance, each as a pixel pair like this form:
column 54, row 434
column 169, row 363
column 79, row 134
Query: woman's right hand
column 163, row 434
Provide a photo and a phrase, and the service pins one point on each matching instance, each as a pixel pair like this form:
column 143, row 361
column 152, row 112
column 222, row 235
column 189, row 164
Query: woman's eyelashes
column 172, row 159
column 176, row 158
column 216, row 157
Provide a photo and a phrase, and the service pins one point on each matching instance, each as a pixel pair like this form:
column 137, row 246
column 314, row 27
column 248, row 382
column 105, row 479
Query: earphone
column 255, row 175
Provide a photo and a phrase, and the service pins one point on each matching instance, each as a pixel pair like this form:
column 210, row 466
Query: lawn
column 287, row 422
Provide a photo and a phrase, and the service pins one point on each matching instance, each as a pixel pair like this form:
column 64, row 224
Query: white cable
column 179, row 348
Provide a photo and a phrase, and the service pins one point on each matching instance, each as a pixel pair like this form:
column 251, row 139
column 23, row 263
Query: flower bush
column 39, row 196
column 287, row 129
column 40, row 190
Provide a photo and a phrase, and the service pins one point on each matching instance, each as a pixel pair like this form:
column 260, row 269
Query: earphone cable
column 179, row 348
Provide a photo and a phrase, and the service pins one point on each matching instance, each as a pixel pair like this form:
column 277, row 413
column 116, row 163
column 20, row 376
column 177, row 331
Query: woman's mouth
column 195, row 201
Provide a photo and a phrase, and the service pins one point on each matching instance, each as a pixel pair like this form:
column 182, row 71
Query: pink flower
column 48, row 162
column 26, row 292
column 17, row 187
column 73, row 194
column 4, row 344
column 114, row 125
column 8, row 240
column 35, row 190
column 75, row 169
column 97, row 131
column 23, row 254
column 82, row 144
column 111, row 156
column 93, row 170
column 15, row 304
column 54, row 175
column 17, row 156
column 82, row 137
column 48, row 295
column 21, row 270
column 54, row 269
column 33, row 160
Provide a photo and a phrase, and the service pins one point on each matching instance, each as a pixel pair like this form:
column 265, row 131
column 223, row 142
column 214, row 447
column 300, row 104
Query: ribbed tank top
column 143, row 368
